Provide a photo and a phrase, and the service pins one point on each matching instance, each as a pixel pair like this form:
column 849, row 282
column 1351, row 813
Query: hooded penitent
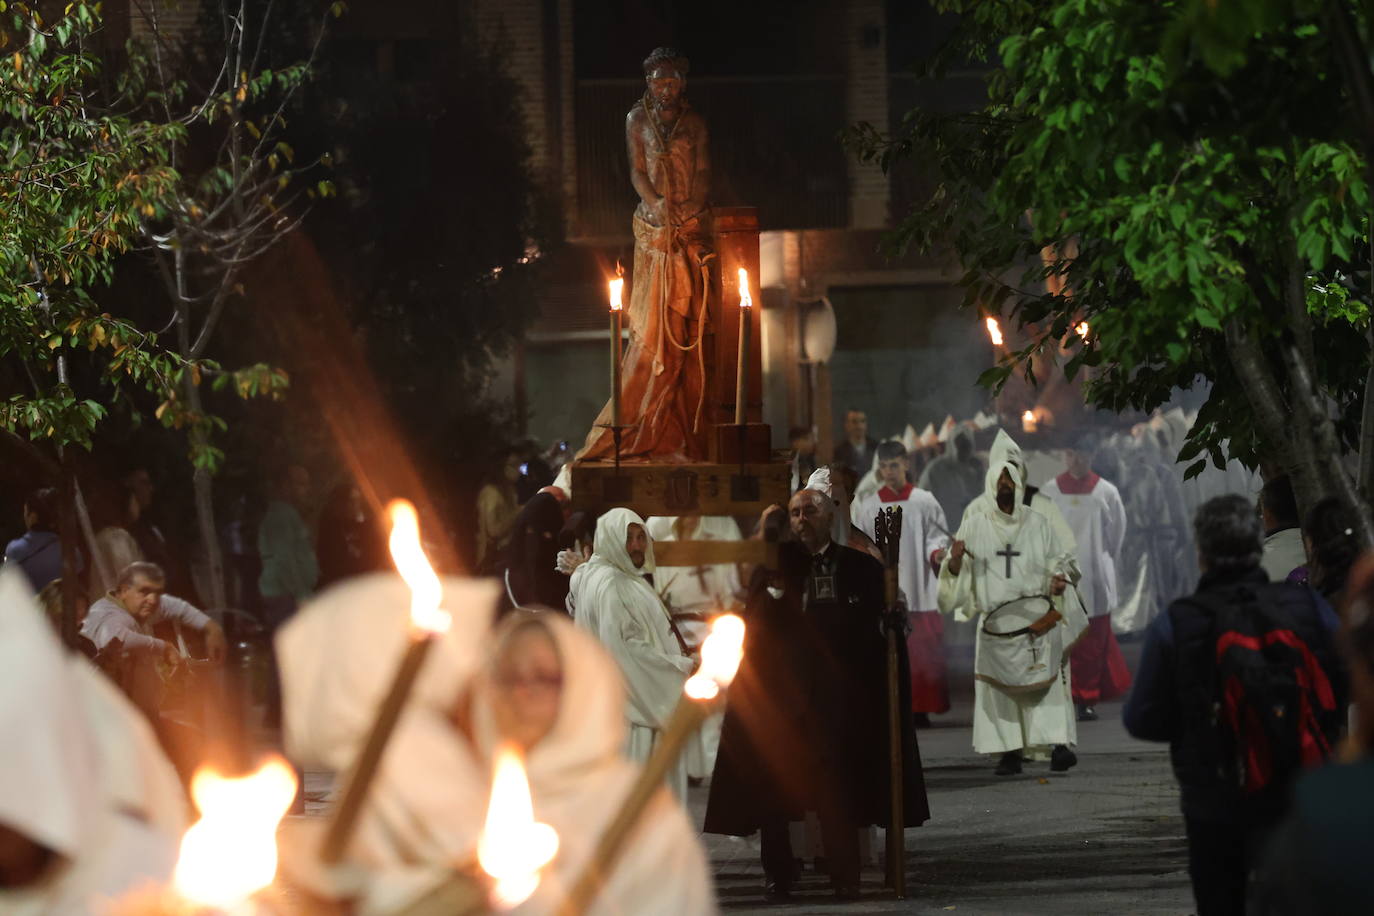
column 337, row 658
column 613, row 602
column 83, row 777
column 578, row 777
column 1011, row 556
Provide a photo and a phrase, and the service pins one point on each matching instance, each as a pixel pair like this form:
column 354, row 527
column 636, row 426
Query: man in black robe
column 806, row 727
column 532, row 576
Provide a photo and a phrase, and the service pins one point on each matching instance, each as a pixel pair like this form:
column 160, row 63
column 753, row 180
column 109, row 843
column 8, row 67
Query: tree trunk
column 67, row 523
column 201, row 482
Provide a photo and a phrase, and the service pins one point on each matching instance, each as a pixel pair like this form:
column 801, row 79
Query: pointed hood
column 609, row 544
column 910, row 441
column 1004, row 448
column 928, row 436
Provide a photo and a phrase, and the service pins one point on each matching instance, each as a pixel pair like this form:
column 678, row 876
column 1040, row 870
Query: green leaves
column 1167, row 159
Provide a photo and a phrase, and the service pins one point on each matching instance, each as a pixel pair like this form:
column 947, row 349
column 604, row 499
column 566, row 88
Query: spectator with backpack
column 1242, row 679
column 1318, row 860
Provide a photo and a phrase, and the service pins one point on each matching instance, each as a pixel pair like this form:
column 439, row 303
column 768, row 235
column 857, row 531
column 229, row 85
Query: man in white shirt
column 136, row 604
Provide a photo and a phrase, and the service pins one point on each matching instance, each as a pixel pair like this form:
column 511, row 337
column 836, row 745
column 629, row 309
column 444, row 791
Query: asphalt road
column 1106, row 837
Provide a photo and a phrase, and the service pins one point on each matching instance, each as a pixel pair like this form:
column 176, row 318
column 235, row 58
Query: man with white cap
column 613, row 600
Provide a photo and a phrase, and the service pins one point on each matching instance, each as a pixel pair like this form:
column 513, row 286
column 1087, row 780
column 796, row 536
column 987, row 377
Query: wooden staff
column 888, row 528
column 345, row 818
column 686, row 719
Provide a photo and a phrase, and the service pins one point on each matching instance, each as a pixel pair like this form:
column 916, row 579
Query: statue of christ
column 664, row 367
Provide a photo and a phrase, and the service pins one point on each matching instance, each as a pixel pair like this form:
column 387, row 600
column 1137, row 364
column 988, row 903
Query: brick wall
column 866, row 44
column 174, row 18
column 518, row 27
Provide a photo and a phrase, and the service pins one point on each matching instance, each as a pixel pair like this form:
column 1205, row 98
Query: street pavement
column 1106, row 837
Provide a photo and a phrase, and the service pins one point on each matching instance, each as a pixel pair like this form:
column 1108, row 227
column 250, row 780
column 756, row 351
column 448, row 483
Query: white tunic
column 923, row 532
column 613, row 602
column 1025, row 545
column 1098, row 523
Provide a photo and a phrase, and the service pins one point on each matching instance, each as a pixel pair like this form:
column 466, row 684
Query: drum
column 1013, row 658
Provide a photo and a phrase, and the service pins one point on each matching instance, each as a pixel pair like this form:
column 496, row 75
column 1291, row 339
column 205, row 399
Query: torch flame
column 1083, row 330
column 994, row 331
column 409, row 556
column 720, row 658
column 617, row 289
column 231, row 852
column 513, row 846
column 745, row 300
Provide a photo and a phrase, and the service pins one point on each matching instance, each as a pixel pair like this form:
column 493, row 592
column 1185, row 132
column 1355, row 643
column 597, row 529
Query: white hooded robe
column 83, row 776
column 615, row 603
column 578, row 777
column 1004, row 721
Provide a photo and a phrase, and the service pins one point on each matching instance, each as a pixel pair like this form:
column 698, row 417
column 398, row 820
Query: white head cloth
column 823, row 481
column 609, row 545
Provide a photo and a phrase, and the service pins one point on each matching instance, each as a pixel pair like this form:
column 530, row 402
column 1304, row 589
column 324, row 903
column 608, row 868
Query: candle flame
column 745, row 300
column 513, row 846
column 231, row 852
column 617, row 287
column 1083, row 330
column 1029, row 422
column 720, row 658
column 994, row 331
column 409, row 556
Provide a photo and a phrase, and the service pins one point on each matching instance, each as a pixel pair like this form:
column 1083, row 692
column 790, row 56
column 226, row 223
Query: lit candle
column 513, row 846
column 746, row 330
column 428, row 622
column 1083, row 330
column 1029, row 422
column 617, row 288
column 230, row 854
column 994, row 331
column 720, row 658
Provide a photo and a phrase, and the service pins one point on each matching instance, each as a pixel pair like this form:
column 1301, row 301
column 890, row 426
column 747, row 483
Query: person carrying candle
column 806, row 728
column 90, row 809
column 612, row 599
column 550, row 689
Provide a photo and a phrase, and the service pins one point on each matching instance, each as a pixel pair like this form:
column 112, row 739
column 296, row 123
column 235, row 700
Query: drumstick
column 941, row 528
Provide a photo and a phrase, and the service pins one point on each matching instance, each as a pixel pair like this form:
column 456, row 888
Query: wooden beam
column 709, row 553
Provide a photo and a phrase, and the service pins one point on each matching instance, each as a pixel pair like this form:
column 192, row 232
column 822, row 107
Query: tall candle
column 428, row 622
column 746, row 329
column 617, row 287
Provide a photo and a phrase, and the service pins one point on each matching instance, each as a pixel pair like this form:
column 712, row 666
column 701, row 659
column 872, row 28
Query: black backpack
column 1274, row 709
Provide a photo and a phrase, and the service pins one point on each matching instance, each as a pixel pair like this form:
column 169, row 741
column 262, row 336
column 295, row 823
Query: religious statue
column 664, row 368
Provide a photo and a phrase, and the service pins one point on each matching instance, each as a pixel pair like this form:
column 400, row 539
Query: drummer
column 1003, row 571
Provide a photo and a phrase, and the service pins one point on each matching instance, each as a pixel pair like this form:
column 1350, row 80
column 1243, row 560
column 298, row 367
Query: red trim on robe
column 1097, row 668
column 889, row 495
column 925, row 647
column 1070, row 485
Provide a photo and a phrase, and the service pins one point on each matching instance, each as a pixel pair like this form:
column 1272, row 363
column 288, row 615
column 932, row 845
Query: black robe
column 532, row 555
column 806, row 726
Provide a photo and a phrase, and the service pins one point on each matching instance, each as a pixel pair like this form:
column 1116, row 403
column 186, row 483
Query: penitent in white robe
column 1025, row 544
column 83, row 775
column 578, row 780
column 1098, row 522
column 612, row 600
